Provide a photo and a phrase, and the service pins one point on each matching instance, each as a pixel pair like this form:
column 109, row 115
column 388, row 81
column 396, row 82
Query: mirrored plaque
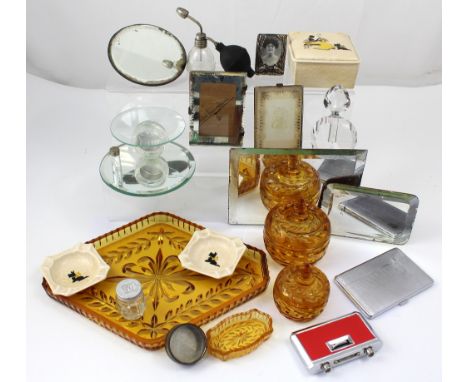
column 146, row 54
column 383, row 282
column 278, row 116
column 216, row 108
column 247, row 165
column 370, row 214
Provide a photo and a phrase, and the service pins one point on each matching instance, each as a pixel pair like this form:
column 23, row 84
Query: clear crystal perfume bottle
column 200, row 56
column 335, row 131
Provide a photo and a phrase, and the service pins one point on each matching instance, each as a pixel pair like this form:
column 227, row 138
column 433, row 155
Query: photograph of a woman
column 271, row 52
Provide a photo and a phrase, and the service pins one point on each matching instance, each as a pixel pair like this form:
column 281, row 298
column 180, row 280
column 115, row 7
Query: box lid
column 322, row 47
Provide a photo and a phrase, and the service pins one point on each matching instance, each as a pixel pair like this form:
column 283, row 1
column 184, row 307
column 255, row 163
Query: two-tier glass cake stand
column 148, row 162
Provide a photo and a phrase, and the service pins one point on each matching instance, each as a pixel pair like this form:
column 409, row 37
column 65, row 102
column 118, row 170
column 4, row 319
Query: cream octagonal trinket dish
column 212, row 254
column 74, row 270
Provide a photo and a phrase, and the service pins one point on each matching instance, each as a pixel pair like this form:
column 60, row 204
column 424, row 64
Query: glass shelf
column 181, row 168
column 168, row 125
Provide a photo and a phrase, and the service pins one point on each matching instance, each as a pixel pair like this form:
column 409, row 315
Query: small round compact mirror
column 147, row 54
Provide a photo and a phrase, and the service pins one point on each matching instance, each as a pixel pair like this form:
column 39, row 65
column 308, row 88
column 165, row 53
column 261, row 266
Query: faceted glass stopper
column 337, row 99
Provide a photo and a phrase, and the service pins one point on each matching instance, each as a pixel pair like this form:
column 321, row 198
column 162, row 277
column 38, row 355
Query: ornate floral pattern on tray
column 147, row 249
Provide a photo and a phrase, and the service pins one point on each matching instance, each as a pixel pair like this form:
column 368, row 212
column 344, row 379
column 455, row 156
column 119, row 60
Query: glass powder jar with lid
column 301, row 292
column 296, row 233
column 130, row 300
column 288, row 181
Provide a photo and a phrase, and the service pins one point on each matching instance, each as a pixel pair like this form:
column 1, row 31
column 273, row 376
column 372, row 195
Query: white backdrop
column 67, row 133
column 399, row 41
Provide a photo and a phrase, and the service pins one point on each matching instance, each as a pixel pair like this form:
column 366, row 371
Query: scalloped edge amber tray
column 239, row 334
column 148, row 250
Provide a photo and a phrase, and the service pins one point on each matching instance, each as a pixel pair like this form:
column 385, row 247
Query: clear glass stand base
column 180, row 161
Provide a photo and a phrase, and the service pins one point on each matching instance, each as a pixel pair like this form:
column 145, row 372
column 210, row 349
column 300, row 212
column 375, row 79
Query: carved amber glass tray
column 147, row 249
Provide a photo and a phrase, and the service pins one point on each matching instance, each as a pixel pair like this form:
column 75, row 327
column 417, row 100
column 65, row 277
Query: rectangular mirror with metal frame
column 246, row 167
column 278, row 116
column 216, row 108
column 370, row 214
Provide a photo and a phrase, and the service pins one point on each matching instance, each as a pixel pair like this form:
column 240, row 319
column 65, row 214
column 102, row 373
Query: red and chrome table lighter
column 335, row 342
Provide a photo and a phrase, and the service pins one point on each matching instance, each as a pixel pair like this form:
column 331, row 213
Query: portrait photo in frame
column 270, row 54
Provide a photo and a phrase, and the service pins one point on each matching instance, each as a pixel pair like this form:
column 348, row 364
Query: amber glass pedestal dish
column 296, row 233
column 301, row 292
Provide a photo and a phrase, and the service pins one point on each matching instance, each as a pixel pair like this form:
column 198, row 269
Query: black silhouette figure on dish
column 212, row 259
column 76, row 276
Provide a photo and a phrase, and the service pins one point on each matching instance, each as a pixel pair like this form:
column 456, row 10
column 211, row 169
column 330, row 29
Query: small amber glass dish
column 239, row 334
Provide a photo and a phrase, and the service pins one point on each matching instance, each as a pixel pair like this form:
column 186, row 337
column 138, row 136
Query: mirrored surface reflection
column 247, row 166
column 370, row 214
column 146, row 54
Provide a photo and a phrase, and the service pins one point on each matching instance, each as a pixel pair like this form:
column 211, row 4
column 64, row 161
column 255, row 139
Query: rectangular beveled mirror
column 216, row 108
column 370, row 214
column 278, row 116
column 247, row 165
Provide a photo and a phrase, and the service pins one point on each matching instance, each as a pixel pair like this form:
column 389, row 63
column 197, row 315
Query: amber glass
column 289, row 181
column 239, row 334
column 301, row 292
column 270, row 160
column 147, row 250
column 296, row 233
column 249, row 173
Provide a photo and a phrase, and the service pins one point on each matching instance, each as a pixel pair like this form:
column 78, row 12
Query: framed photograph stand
column 216, row 108
column 278, row 117
column 270, row 54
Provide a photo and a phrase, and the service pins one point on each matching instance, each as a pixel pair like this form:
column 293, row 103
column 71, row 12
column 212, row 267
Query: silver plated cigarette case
column 335, row 342
column 383, row 282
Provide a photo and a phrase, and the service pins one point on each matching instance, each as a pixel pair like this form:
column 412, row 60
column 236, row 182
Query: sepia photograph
column 271, row 53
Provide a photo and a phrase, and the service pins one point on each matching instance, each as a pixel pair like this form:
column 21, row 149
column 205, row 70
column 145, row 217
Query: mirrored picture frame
column 278, row 116
column 270, row 55
column 247, row 164
column 216, row 108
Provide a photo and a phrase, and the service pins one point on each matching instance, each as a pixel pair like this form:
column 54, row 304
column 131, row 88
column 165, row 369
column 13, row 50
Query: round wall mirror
column 147, row 54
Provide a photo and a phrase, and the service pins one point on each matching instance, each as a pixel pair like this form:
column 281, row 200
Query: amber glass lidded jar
column 301, row 292
column 288, row 181
column 296, row 233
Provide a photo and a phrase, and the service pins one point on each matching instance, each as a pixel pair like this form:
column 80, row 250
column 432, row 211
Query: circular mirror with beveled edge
column 147, row 54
